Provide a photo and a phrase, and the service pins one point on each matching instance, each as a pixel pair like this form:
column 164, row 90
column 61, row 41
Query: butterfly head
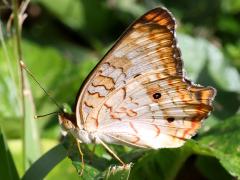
column 69, row 124
column 67, row 121
column 66, row 118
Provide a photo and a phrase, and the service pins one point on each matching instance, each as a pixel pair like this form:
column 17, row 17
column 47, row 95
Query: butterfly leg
column 111, row 151
column 81, row 156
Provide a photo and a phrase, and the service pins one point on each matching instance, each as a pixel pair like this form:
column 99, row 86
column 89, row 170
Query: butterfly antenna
column 40, row 116
column 52, row 99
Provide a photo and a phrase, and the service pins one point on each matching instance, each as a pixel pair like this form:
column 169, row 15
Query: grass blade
column 7, row 167
column 31, row 137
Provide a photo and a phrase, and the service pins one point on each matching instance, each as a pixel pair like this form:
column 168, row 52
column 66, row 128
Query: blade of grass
column 7, row 167
column 31, row 149
column 46, row 163
column 31, row 138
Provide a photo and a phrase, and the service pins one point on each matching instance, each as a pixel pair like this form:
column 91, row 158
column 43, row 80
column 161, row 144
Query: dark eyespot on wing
column 170, row 119
column 157, row 95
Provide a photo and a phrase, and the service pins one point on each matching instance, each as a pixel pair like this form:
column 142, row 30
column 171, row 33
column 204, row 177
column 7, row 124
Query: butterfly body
column 138, row 94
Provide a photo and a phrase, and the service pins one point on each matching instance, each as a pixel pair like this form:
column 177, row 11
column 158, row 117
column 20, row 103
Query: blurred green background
column 62, row 41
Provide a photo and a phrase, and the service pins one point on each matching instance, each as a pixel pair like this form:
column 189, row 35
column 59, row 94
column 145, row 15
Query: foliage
column 62, row 44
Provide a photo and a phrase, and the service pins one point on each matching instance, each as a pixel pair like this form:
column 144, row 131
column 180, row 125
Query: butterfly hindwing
column 155, row 112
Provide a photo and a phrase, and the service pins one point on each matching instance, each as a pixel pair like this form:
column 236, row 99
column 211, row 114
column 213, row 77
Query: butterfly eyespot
column 157, row 95
column 170, row 119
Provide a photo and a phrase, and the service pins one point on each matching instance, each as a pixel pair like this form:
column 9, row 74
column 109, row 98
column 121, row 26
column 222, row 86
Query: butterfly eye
column 157, row 95
column 170, row 119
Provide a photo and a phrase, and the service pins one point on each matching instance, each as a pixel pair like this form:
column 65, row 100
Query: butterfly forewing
column 139, row 50
column 137, row 94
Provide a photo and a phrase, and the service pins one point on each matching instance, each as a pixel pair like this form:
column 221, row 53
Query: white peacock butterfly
column 138, row 94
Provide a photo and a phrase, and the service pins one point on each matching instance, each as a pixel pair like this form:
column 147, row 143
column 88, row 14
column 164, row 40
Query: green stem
column 19, row 58
column 17, row 30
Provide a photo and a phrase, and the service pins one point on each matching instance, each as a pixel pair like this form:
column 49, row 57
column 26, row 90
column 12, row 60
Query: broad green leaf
column 118, row 172
column 226, row 76
column 7, row 167
column 46, row 163
column 161, row 164
column 192, row 54
column 223, row 140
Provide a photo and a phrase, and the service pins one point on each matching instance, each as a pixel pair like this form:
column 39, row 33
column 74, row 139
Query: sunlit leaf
column 193, row 54
column 226, row 76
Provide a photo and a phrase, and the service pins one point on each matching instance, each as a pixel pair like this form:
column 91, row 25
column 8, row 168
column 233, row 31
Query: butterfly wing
column 117, row 98
column 155, row 112
column 146, row 45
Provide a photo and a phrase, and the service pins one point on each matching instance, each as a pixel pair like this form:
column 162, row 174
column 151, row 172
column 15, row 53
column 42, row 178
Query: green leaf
column 118, row 172
column 223, row 140
column 225, row 75
column 63, row 169
column 211, row 168
column 7, row 166
column 9, row 81
column 194, row 59
column 161, row 164
column 46, row 163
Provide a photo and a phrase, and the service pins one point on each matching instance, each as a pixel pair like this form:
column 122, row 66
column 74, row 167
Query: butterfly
column 138, row 94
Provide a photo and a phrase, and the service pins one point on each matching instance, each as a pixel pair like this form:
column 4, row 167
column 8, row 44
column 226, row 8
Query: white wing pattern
column 138, row 95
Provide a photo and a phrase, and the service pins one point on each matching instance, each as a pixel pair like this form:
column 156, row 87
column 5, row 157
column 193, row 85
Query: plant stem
column 17, row 29
column 19, row 58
